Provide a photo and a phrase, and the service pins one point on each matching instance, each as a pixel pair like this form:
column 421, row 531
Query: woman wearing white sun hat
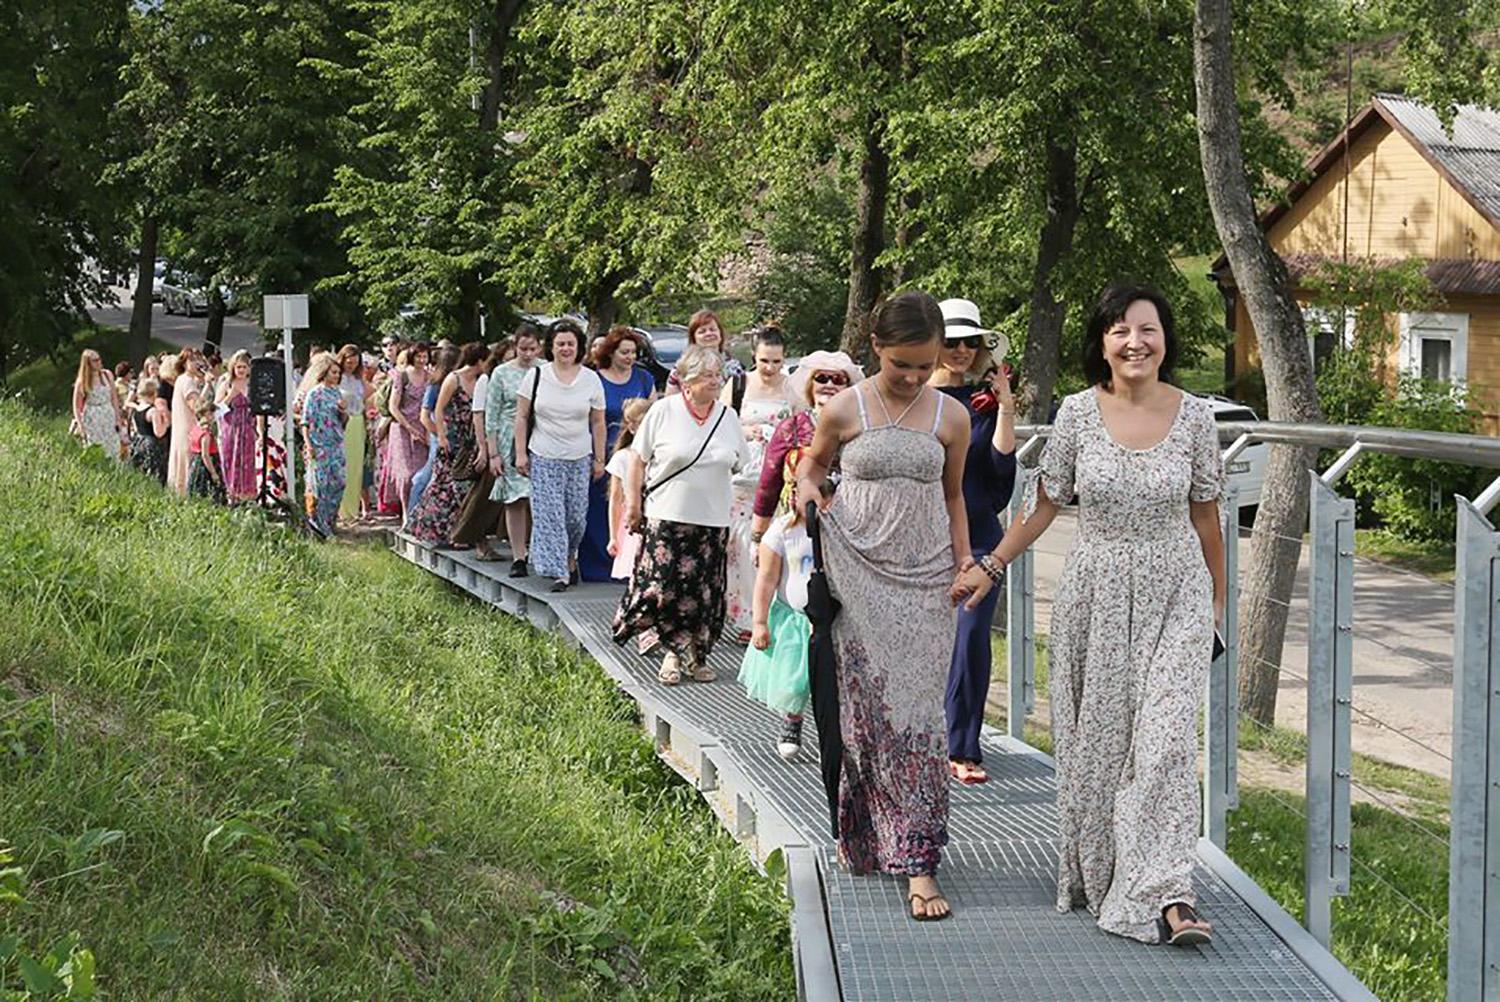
column 972, row 370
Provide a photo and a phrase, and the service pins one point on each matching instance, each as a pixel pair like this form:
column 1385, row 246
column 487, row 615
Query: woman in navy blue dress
column 971, row 371
column 623, row 380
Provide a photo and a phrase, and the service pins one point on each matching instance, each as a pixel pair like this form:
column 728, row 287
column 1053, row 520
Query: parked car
column 184, row 293
column 158, row 278
column 1247, row 471
column 664, row 345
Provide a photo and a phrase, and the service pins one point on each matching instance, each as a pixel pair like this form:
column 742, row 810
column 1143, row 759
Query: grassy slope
column 335, row 779
column 48, row 384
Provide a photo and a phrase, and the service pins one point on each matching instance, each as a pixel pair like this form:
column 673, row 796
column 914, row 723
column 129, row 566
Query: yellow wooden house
column 1413, row 190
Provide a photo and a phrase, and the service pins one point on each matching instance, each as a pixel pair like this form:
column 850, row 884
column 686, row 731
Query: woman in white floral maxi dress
column 1132, row 622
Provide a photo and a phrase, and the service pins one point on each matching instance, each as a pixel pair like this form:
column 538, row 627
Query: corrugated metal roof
column 1470, row 154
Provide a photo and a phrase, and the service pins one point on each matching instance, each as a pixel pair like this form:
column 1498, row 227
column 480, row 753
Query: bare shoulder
column 956, row 425
column 840, row 413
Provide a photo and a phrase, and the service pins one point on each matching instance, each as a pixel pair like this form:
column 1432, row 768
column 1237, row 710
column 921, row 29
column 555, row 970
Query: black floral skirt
column 676, row 588
column 201, row 484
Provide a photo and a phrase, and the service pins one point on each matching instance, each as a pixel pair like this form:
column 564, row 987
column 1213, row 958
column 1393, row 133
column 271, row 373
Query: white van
column 1247, row 471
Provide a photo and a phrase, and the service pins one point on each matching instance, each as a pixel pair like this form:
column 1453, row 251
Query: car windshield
column 1235, row 414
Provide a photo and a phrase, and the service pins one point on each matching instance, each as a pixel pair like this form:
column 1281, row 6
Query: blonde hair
column 631, row 416
column 146, row 389
column 240, row 356
column 317, row 371
column 83, row 382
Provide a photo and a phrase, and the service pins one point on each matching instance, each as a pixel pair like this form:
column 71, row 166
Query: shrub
column 1412, row 497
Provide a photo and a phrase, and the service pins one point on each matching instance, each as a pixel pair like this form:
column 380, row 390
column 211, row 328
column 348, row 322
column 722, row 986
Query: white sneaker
column 670, row 672
column 789, row 745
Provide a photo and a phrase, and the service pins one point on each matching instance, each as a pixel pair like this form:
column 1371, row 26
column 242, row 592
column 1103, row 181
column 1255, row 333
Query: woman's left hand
column 1000, row 386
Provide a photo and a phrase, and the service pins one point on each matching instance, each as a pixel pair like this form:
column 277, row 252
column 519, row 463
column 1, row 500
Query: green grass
column 47, row 383
column 1380, row 930
column 1436, row 560
column 1390, row 945
column 241, row 765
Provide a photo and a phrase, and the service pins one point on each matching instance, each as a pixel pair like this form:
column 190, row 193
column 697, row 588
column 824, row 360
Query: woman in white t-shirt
column 561, row 451
column 688, row 448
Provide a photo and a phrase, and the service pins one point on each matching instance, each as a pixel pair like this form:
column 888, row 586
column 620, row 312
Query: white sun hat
column 961, row 320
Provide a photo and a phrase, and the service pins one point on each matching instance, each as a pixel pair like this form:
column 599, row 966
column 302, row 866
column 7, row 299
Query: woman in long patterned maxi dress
column 323, row 424
column 406, row 445
column 1132, row 621
column 237, row 431
column 431, row 519
column 892, row 537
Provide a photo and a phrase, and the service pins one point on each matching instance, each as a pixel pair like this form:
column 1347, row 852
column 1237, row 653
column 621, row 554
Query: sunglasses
column 972, row 343
column 836, row 378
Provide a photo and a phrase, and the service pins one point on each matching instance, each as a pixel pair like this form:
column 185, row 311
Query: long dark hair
column 1113, row 303
column 907, row 318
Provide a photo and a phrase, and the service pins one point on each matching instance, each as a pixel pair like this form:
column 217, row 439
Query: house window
column 1435, row 346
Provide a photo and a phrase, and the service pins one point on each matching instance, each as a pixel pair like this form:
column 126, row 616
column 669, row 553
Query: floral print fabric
column 237, row 448
column 889, row 561
column 325, row 446
column 1132, row 634
column 677, row 588
column 431, row 518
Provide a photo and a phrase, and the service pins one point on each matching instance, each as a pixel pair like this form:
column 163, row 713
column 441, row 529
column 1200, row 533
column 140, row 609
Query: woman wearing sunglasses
column 819, row 378
column 971, row 370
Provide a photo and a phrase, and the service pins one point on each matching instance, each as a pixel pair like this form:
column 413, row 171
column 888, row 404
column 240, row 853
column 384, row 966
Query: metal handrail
column 1451, row 447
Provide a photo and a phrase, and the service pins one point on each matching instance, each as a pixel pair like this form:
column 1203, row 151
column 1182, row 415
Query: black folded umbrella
column 822, row 667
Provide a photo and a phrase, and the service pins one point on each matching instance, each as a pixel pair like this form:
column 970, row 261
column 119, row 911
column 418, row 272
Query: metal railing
column 1473, row 848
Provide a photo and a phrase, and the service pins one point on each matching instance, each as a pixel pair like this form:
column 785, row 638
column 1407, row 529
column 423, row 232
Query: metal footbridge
column 851, row 936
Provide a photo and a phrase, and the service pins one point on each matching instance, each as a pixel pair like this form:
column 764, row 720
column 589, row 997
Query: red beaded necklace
column 701, row 420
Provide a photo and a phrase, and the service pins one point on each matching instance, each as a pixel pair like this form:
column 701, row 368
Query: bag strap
column 737, row 393
column 683, row 469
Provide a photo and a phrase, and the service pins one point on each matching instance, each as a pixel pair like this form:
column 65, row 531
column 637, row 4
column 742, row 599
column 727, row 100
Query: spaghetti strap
column 937, row 415
column 864, row 419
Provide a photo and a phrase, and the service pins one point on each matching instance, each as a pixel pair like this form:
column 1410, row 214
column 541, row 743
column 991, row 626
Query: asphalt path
column 240, row 330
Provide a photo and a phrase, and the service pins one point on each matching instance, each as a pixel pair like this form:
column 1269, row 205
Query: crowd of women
column 695, row 498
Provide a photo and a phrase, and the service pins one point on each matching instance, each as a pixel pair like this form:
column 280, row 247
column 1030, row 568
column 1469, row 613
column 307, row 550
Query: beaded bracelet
column 992, row 567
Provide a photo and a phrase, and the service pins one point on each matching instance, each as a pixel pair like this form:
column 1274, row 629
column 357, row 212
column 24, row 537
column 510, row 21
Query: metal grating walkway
column 851, row 936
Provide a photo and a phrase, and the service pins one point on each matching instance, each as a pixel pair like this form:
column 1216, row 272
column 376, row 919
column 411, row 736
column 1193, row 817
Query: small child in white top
column 774, row 669
column 623, row 543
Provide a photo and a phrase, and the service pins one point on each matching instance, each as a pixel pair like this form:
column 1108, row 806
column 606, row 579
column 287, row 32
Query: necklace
column 880, row 398
column 693, row 411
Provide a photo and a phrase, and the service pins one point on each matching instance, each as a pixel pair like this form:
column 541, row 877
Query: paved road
column 1403, row 653
column 240, row 331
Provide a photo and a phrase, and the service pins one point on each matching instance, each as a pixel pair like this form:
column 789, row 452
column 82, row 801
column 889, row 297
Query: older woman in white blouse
column 684, row 455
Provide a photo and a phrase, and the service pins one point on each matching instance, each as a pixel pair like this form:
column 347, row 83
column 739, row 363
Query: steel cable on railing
column 1263, row 595
column 1399, row 813
column 1395, row 890
column 1383, row 724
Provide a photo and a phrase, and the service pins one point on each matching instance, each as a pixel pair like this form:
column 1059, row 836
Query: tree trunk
column 138, row 342
column 213, row 332
column 908, row 232
column 604, row 308
column 1045, row 322
column 865, row 276
column 1261, row 278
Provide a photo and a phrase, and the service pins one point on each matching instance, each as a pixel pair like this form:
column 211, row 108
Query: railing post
column 1474, row 847
column 1330, row 686
column 1020, row 617
column 1221, row 715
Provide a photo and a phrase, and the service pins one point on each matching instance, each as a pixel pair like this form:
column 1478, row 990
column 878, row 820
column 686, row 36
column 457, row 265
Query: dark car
column 663, row 345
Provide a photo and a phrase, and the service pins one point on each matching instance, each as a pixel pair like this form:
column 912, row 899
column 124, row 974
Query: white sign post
column 289, row 313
